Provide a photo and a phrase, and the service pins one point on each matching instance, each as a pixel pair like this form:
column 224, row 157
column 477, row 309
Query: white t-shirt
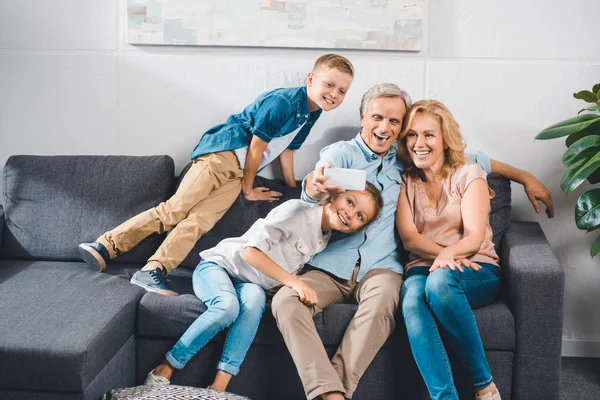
column 275, row 147
column 290, row 235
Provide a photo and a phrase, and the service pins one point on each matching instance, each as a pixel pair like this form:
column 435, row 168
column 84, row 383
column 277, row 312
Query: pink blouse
column 444, row 224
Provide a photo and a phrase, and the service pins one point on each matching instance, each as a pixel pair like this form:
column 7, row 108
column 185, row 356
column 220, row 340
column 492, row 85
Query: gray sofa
column 67, row 332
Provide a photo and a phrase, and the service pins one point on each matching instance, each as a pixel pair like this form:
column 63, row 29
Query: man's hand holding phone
column 330, row 181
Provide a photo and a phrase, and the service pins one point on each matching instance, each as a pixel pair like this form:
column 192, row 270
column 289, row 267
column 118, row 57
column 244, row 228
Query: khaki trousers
column 207, row 191
column 377, row 295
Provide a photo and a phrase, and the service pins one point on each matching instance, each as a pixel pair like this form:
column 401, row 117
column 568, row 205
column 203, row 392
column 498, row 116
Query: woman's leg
column 451, row 295
column 425, row 340
column 252, row 300
column 214, row 287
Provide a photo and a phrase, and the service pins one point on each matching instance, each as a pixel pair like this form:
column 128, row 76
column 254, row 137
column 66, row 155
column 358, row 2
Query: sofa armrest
column 534, row 284
column 1, row 228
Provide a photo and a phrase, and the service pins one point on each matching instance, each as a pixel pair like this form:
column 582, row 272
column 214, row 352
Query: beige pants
column 207, row 191
column 377, row 295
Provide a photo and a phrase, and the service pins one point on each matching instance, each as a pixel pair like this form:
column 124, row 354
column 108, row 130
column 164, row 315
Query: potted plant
column 582, row 159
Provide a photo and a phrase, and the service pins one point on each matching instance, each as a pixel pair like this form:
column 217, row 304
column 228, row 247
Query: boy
column 225, row 162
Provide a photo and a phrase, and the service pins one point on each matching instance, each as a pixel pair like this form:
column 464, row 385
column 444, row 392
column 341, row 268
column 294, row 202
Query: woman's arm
column 267, row 266
column 475, row 209
column 413, row 241
column 286, row 160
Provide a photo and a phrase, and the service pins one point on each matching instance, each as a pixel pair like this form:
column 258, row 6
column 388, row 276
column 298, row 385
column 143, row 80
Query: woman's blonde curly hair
column 454, row 144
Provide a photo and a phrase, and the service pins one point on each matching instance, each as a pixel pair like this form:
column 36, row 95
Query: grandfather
column 364, row 267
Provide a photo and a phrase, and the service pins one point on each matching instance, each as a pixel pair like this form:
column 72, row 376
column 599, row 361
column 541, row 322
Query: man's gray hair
column 383, row 90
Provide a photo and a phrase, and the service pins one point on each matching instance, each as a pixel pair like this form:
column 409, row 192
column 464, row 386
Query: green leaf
column 592, row 108
column 587, row 210
column 578, row 170
column 589, row 144
column 568, row 126
column 586, row 96
column 596, row 90
column 595, row 247
column 593, row 129
column 594, row 177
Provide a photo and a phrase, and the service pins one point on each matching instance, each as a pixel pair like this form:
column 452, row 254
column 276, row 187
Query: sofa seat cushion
column 168, row 317
column 61, row 323
column 53, row 203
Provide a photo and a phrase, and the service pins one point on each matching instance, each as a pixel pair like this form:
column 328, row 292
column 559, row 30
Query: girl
column 443, row 220
column 232, row 276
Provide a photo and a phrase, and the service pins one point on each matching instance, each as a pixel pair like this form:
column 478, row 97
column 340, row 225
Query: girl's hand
column 445, row 259
column 307, row 295
column 465, row 262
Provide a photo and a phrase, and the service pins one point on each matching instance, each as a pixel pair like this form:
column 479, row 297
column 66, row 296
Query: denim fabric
column 379, row 245
column 230, row 303
column 438, row 305
column 273, row 114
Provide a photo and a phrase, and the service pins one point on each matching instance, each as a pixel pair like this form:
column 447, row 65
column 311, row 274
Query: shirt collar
column 319, row 218
column 302, row 111
column 369, row 154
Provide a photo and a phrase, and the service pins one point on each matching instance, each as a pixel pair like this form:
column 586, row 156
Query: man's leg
column 377, row 295
column 295, row 321
column 206, row 174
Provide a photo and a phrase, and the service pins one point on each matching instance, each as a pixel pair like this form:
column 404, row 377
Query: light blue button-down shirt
column 379, row 245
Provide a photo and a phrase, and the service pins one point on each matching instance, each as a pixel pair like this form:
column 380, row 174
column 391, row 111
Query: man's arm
column 253, row 158
column 534, row 189
column 286, row 160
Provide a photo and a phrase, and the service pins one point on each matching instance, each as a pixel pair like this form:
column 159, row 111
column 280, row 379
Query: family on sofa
column 334, row 245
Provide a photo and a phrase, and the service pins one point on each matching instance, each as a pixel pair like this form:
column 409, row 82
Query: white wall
column 70, row 85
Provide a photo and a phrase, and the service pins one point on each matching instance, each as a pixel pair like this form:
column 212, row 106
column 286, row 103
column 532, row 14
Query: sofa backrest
column 243, row 213
column 53, row 203
column 500, row 212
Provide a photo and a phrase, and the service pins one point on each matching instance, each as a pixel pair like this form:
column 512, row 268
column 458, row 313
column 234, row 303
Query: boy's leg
column 200, row 219
column 213, row 286
column 206, row 174
column 377, row 295
column 451, row 295
column 425, row 340
column 252, row 300
column 295, row 321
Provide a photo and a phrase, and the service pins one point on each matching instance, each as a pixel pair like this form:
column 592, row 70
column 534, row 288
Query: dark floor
column 580, row 379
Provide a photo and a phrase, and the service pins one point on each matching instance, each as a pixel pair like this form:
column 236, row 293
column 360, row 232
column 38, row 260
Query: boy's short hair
column 336, row 61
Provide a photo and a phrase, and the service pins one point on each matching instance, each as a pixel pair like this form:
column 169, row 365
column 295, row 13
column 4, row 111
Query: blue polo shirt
column 379, row 245
column 273, row 114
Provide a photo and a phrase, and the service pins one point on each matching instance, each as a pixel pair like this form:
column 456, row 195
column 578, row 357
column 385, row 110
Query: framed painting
column 395, row 25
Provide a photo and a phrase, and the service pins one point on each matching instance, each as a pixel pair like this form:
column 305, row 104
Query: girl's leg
column 425, row 341
column 214, row 287
column 450, row 295
column 252, row 301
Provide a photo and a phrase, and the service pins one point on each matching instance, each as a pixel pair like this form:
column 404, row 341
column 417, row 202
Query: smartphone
column 349, row 179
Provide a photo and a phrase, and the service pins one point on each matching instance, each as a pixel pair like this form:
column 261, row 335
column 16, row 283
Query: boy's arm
column 267, row 266
column 286, row 160
column 534, row 189
column 253, row 158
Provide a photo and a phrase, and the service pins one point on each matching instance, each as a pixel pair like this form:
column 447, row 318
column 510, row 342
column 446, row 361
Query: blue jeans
column 439, row 304
column 230, row 302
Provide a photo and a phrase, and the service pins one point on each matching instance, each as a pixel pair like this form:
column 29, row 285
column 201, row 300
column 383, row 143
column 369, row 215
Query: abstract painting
column 324, row 24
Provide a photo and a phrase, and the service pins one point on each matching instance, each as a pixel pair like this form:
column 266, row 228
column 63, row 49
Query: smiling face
column 425, row 142
column 382, row 122
column 349, row 211
column 327, row 88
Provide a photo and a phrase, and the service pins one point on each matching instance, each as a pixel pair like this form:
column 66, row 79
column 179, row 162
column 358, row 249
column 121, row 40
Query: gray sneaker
column 156, row 380
column 95, row 255
column 153, row 281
